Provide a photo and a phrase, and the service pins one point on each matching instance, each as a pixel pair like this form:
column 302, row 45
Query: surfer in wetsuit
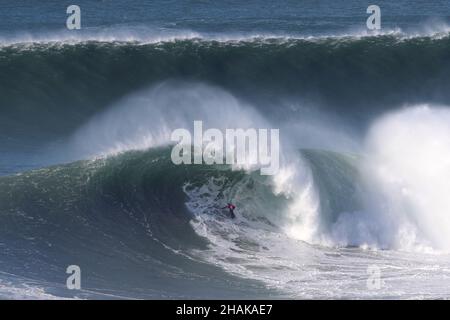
column 230, row 207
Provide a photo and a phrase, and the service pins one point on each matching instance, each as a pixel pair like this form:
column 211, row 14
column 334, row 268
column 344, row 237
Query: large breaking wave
column 66, row 83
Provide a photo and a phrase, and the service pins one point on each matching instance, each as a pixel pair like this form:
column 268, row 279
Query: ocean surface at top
column 284, row 17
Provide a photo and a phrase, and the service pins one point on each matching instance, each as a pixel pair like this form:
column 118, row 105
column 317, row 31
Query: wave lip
column 141, row 34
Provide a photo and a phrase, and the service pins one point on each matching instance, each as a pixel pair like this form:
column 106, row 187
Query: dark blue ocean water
column 307, row 17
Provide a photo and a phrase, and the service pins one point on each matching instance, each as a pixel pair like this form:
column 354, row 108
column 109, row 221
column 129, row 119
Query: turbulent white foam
column 301, row 217
column 135, row 34
column 407, row 180
column 24, row 291
column 143, row 34
column 410, row 164
column 433, row 28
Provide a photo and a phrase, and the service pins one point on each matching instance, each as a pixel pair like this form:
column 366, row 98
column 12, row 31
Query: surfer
column 230, row 207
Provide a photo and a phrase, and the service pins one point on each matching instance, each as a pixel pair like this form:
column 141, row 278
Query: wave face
column 66, row 83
